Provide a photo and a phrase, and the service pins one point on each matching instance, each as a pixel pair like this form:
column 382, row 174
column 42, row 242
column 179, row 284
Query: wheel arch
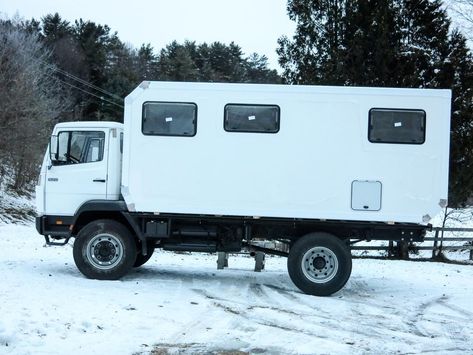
column 103, row 209
column 338, row 233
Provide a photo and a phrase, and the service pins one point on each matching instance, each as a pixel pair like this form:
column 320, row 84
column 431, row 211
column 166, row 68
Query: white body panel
column 66, row 187
column 305, row 170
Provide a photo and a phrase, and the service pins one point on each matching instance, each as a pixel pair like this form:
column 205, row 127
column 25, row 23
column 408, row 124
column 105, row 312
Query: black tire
column 104, row 250
column 319, row 264
column 142, row 259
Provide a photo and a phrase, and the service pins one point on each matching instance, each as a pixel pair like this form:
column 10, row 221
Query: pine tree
column 146, row 62
column 94, row 42
column 457, row 73
column 257, row 70
column 215, row 62
column 425, row 27
column 303, row 58
column 175, row 63
column 54, row 28
column 371, row 42
column 120, row 79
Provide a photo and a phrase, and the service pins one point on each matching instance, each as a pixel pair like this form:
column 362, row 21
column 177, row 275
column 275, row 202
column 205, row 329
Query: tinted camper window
column 169, row 119
column 396, row 126
column 251, row 118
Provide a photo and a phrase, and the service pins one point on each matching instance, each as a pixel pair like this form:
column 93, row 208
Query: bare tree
column 463, row 10
column 450, row 218
column 31, row 100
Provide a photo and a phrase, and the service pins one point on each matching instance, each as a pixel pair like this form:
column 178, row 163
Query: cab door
column 78, row 171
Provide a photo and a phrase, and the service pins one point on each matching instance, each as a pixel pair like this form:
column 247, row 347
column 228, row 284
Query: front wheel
column 104, row 250
column 319, row 264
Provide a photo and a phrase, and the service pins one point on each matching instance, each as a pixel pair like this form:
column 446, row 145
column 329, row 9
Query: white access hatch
column 366, row 195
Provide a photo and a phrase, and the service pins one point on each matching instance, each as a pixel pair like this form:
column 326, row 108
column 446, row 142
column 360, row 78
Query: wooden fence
column 443, row 240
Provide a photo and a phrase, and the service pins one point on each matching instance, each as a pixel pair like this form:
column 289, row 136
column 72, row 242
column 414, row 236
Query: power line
column 82, row 81
column 90, row 93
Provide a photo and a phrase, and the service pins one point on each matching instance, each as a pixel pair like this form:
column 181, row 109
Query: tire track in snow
column 429, row 321
column 251, row 304
column 246, row 311
column 249, row 316
column 264, row 302
column 316, row 317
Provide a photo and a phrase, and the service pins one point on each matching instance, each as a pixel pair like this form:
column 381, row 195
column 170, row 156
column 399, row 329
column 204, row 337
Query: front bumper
column 57, row 227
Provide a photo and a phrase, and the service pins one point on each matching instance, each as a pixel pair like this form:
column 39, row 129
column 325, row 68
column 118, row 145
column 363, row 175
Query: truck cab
column 83, row 163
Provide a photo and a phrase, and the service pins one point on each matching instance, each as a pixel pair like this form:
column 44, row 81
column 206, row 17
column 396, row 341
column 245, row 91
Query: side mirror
column 53, row 149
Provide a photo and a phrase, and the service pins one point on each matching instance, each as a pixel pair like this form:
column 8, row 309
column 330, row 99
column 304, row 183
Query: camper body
column 212, row 167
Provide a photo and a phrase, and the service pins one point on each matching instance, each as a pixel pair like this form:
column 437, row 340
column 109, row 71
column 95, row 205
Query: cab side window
column 76, row 147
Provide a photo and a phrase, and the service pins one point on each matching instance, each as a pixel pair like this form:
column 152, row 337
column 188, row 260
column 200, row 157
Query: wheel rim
column 319, row 264
column 104, row 251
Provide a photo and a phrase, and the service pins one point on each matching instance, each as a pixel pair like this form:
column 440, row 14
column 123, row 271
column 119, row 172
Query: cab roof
column 89, row 124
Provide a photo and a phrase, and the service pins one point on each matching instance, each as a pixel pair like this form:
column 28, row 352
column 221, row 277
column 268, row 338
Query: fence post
column 222, row 260
column 391, row 251
column 403, row 250
column 434, row 249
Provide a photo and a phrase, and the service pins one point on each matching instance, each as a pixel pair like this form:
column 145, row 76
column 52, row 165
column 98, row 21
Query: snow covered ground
column 180, row 303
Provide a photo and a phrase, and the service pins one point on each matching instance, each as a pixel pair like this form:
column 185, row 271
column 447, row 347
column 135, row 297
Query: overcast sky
column 255, row 25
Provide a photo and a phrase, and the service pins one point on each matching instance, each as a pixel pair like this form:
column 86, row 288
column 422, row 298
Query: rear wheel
column 104, row 250
column 319, row 264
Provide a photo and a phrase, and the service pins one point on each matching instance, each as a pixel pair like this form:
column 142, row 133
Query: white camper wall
column 305, row 170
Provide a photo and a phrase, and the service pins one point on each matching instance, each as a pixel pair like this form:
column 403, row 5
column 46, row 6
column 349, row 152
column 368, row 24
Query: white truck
column 211, row 167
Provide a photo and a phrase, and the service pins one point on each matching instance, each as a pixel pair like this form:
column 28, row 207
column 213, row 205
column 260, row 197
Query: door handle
column 98, row 180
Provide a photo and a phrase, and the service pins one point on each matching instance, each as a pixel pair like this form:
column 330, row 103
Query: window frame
column 70, row 132
column 169, row 102
column 253, row 105
column 398, row 109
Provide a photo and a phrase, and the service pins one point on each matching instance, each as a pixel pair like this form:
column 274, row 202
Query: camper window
column 251, row 118
column 396, row 126
column 169, row 119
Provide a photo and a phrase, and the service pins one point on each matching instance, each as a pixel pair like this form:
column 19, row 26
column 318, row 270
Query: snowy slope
column 182, row 304
column 15, row 208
